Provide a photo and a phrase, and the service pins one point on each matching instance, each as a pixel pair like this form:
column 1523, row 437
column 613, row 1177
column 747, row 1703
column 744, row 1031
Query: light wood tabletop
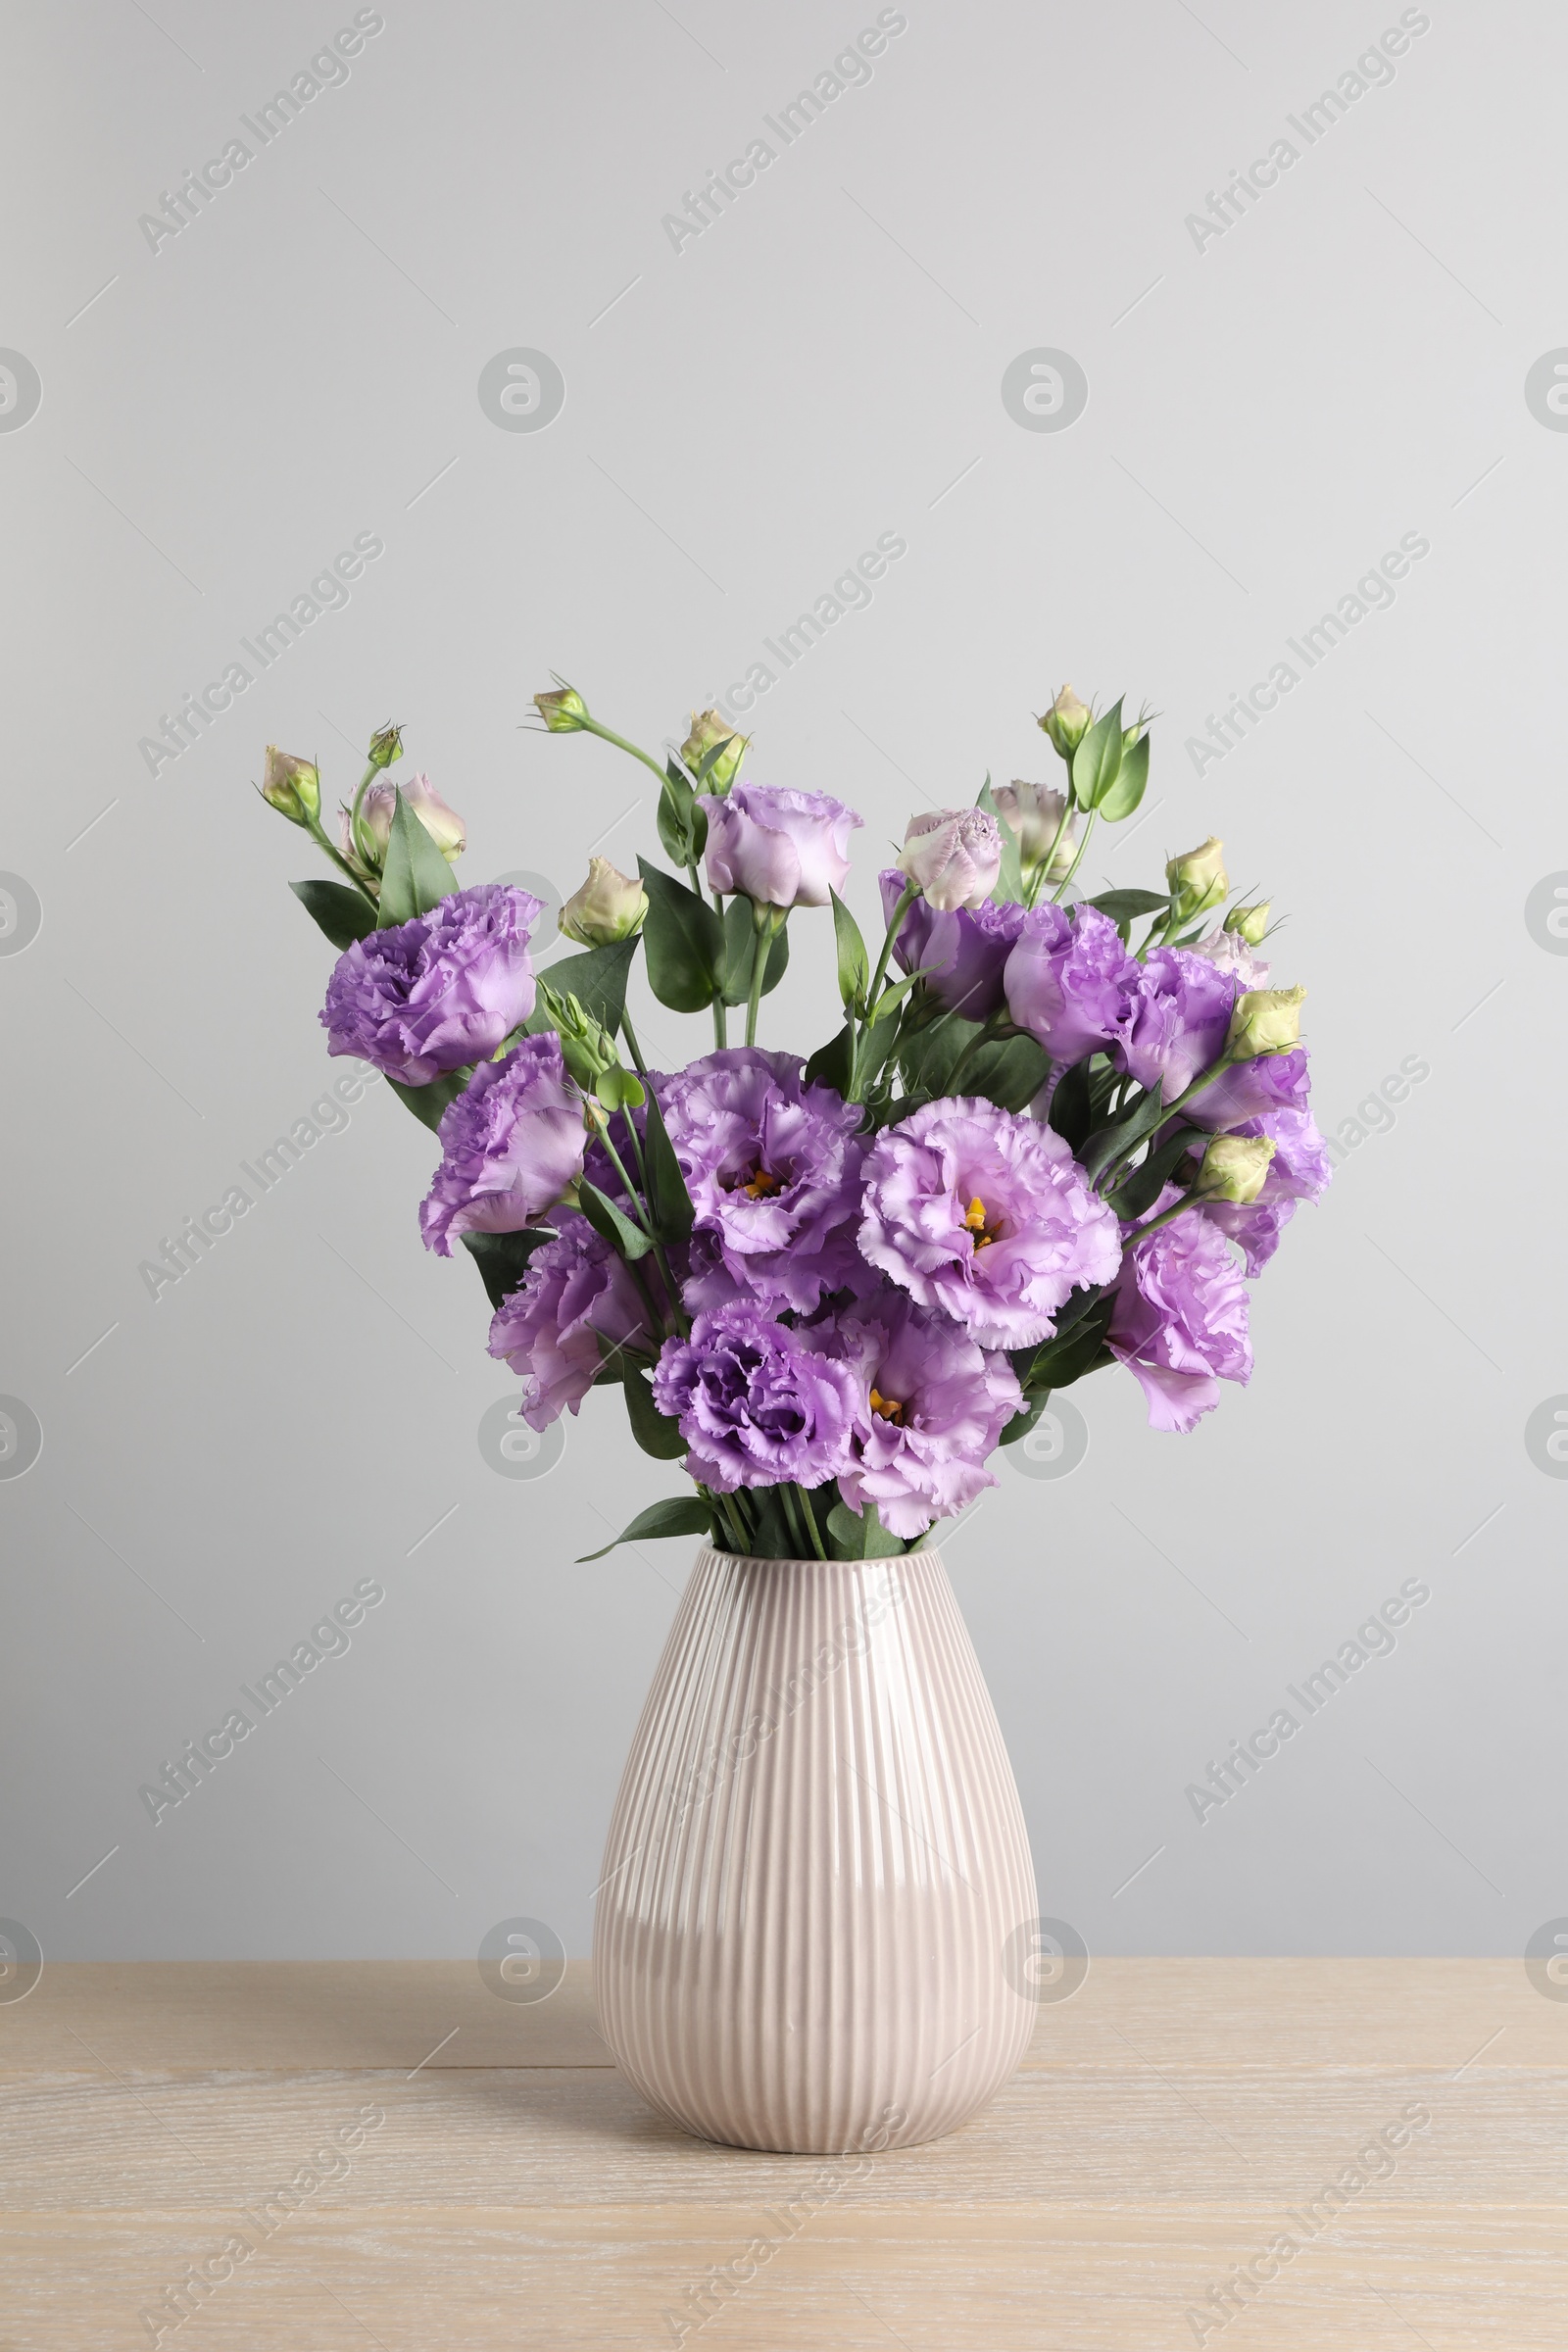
column 331, row 2155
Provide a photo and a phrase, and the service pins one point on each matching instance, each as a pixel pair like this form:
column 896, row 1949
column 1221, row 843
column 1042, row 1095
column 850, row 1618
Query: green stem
column 639, row 1207
column 592, row 726
column 766, row 925
column 340, row 861
column 720, row 1025
column 1041, row 874
column 912, row 891
column 632, row 1046
column 982, row 1036
column 356, row 834
column 1176, row 1209
column 786, row 1495
column 810, row 1520
column 1078, row 856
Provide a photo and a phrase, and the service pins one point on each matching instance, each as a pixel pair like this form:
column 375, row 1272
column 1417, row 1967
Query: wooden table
column 485, row 2177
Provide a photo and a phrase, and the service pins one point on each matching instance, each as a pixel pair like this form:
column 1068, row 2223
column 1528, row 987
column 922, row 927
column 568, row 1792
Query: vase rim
column 759, row 1559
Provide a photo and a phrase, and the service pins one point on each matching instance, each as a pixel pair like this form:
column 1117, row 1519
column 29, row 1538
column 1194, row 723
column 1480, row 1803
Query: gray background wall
column 1267, row 413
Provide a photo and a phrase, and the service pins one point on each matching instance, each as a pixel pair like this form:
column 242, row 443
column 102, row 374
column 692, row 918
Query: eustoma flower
column 1033, row 813
column 1179, row 1322
column 773, row 1170
column 777, row 847
column 756, row 1406
column 985, row 1215
column 378, row 807
column 1071, row 981
column 431, row 995
column 952, row 856
column 962, row 953
column 513, row 1143
column 1299, row 1171
column 931, row 1406
column 575, row 1295
column 1177, row 1019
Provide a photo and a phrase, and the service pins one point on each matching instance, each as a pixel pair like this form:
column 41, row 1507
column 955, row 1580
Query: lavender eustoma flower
column 1071, row 982
column 428, row 995
column 777, row 847
column 1177, row 1019
column 756, row 1406
column 512, row 1142
column 576, row 1292
column 985, row 1214
column 774, row 1169
column 962, row 950
column 1251, row 1090
column 952, row 856
column 1179, row 1321
column 930, row 1407
column 1299, row 1171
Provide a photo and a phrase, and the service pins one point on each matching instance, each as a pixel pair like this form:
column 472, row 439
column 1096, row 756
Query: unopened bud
column 1235, row 1167
column 386, row 747
column 291, row 786
column 1066, row 723
column 1266, row 1020
column 711, row 731
column 586, row 1045
column 1198, row 879
column 562, row 713
column 610, row 907
column 1250, row 921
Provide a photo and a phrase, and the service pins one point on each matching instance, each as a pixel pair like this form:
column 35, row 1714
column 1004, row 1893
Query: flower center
column 975, row 1222
column 759, row 1184
column 887, row 1408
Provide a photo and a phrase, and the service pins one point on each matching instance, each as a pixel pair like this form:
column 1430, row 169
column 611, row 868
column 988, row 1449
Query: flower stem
column 982, row 1036
column 1165, row 1216
column 767, row 927
column 810, row 1520
column 355, row 833
column 632, row 1046
column 592, row 726
column 912, row 891
column 1042, row 872
column 341, row 862
column 1078, row 856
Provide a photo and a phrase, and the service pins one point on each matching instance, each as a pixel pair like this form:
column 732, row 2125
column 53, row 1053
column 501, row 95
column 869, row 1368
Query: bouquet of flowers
column 833, row 1285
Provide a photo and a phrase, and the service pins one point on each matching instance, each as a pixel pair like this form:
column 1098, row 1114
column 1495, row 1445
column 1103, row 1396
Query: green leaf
column 610, row 1224
column 1123, row 904
column 684, row 943
column 830, row 1064
column 683, row 1515
column 1024, row 1419
column 1009, row 1073
column 1009, row 881
column 342, row 913
column 415, row 876
column 503, row 1259
column 1056, row 1362
column 1106, row 1144
column 1098, row 760
column 679, row 817
column 1069, row 1111
column 740, row 932
column 669, row 1204
column 855, row 967
column 653, row 1433
column 1126, row 789
column 597, row 979
column 891, row 997
column 1142, row 1189
column 619, row 1090
column 427, row 1102
column 861, row 1535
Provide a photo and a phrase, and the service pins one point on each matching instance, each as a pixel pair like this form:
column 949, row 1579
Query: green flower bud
column 586, row 1045
column 1198, row 879
column 291, row 786
column 386, row 747
column 1250, row 921
column 1233, row 1168
column 1068, row 722
column 563, row 713
column 1266, row 1020
column 710, row 729
column 609, row 906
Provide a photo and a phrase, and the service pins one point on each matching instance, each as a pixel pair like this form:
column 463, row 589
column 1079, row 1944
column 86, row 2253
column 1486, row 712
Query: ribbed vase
column 818, row 1881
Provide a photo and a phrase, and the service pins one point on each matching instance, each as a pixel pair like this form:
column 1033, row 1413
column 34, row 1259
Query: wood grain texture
column 1173, row 2119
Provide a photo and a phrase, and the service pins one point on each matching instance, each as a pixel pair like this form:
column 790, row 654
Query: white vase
column 816, row 1908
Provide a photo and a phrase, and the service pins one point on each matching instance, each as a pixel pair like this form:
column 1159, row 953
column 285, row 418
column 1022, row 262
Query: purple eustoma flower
column 1179, row 1322
column 1251, row 1090
column 774, row 1169
column 1299, row 1171
column 929, row 1408
column 1176, row 1019
column 777, row 847
column 1071, row 982
column 962, row 950
column 512, row 1142
column 985, row 1214
column 576, row 1292
column 428, row 995
column 756, row 1404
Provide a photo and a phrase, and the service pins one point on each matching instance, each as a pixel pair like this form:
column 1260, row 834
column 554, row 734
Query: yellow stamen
column 888, row 1408
column 759, row 1183
column 975, row 1222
